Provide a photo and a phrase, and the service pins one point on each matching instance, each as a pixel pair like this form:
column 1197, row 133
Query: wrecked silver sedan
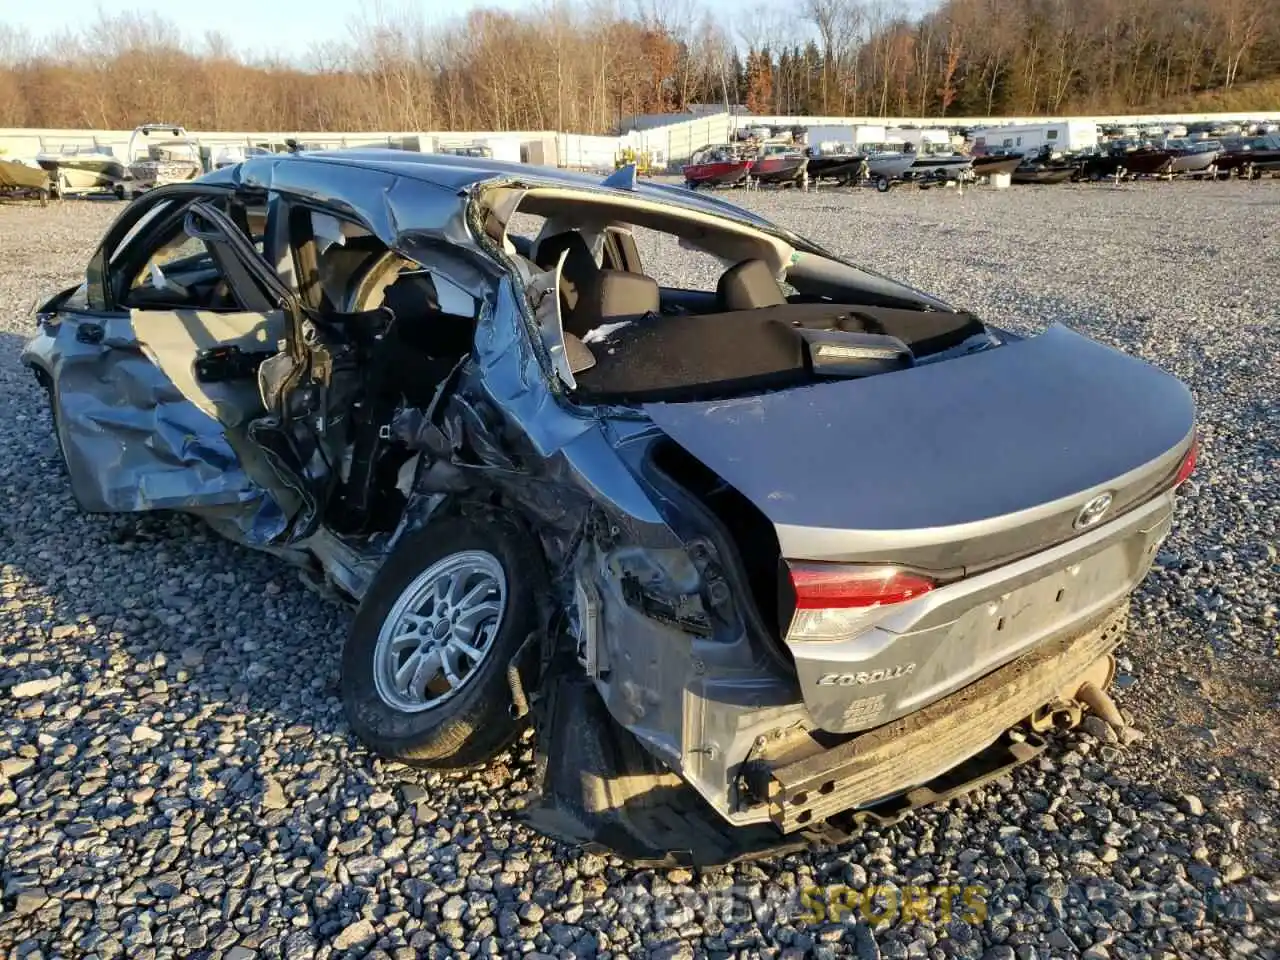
column 759, row 562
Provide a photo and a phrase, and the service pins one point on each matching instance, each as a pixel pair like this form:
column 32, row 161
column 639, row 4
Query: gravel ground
column 177, row 780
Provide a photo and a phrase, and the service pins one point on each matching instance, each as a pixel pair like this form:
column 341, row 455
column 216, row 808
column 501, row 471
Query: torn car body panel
column 330, row 355
column 133, row 441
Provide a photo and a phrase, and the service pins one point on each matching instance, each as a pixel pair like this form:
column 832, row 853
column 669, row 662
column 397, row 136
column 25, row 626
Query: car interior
column 188, row 300
column 641, row 342
column 396, row 329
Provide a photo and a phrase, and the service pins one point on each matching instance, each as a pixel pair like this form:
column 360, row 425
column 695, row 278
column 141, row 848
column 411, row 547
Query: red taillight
column 833, row 586
column 1188, row 463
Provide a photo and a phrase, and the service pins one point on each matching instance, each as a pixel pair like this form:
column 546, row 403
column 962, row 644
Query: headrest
column 749, row 285
column 612, row 295
column 579, row 266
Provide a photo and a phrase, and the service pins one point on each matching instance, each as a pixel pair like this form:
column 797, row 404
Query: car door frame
column 87, row 338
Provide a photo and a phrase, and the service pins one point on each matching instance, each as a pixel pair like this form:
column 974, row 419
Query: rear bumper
column 928, row 648
column 907, row 753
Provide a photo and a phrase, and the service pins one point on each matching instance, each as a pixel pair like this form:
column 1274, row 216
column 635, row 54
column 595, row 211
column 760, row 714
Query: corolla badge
column 1093, row 511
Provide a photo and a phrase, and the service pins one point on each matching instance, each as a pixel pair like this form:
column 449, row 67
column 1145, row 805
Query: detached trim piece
column 908, row 752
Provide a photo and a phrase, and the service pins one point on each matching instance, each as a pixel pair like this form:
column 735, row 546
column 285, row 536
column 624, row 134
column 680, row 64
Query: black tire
column 476, row 723
column 883, row 184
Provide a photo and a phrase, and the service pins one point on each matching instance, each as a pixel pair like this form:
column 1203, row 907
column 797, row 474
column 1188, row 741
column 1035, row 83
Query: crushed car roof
column 456, row 175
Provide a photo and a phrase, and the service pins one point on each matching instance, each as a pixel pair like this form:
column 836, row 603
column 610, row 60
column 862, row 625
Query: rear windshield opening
column 661, row 304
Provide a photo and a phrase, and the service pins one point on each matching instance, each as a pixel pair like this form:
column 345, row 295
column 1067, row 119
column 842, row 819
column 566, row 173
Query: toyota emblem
column 1093, row 511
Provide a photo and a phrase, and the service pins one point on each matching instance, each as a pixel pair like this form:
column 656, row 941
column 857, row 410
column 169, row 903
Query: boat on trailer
column 844, row 167
column 889, row 168
column 779, row 164
column 1045, row 167
column 1147, row 161
column 231, row 154
column 995, row 163
column 715, row 166
column 1252, row 157
column 1193, row 158
column 159, row 154
column 19, row 180
column 83, row 168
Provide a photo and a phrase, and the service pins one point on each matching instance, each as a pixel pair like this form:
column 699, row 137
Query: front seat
column 579, row 266
column 749, row 285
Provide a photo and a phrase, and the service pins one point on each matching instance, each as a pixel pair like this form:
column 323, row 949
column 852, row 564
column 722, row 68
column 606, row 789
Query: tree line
column 585, row 68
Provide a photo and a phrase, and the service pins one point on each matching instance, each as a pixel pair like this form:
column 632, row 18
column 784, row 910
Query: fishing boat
column 893, row 167
column 1042, row 174
column 1125, row 160
column 843, row 167
column 18, row 179
column 778, row 163
column 1101, row 166
column 78, row 167
column 715, row 166
column 1046, row 168
column 161, row 153
column 231, row 154
column 991, row 164
column 1252, row 157
column 477, row 148
column 1147, row 161
column 1193, row 158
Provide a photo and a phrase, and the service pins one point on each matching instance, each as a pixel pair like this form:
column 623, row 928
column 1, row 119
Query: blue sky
column 283, row 27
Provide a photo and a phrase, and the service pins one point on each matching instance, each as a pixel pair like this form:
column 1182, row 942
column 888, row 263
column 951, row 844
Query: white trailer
column 1062, row 135
column 923, row 139
column 827, row 139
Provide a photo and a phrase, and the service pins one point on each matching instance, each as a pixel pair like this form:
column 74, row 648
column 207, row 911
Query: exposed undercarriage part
column 760, row 563
column 602, row 789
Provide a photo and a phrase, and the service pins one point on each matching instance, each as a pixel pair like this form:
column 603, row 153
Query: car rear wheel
column 424, row 673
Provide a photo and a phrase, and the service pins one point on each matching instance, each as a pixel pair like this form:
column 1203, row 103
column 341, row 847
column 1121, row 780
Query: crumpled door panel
column 133, row 441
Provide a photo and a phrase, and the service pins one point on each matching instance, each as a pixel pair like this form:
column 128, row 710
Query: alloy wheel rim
column 440, row 631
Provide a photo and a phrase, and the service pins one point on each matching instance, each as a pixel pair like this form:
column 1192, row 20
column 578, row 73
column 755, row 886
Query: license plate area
column 1007, row 622
column 998, row 628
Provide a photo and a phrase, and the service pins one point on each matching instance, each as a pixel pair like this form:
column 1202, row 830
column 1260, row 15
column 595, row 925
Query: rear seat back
column 665, row 356
column 613, row 295
column 749, row 285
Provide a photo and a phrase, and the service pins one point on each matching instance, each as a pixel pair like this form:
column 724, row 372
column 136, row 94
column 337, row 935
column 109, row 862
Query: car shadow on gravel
column 153, row 616
column 162, row 633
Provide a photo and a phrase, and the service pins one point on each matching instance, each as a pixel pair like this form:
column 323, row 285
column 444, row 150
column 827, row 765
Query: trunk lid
column 955, row 466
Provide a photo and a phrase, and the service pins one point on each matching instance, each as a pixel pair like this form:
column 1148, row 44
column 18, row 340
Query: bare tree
column 578, row 67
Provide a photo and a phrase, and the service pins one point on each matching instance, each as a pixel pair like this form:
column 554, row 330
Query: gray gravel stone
column 30, row 900
column 16, row 766
column 357, row 934
column 35, row 688
column 144, row 734
column 1099, row 728
column 273, row 797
